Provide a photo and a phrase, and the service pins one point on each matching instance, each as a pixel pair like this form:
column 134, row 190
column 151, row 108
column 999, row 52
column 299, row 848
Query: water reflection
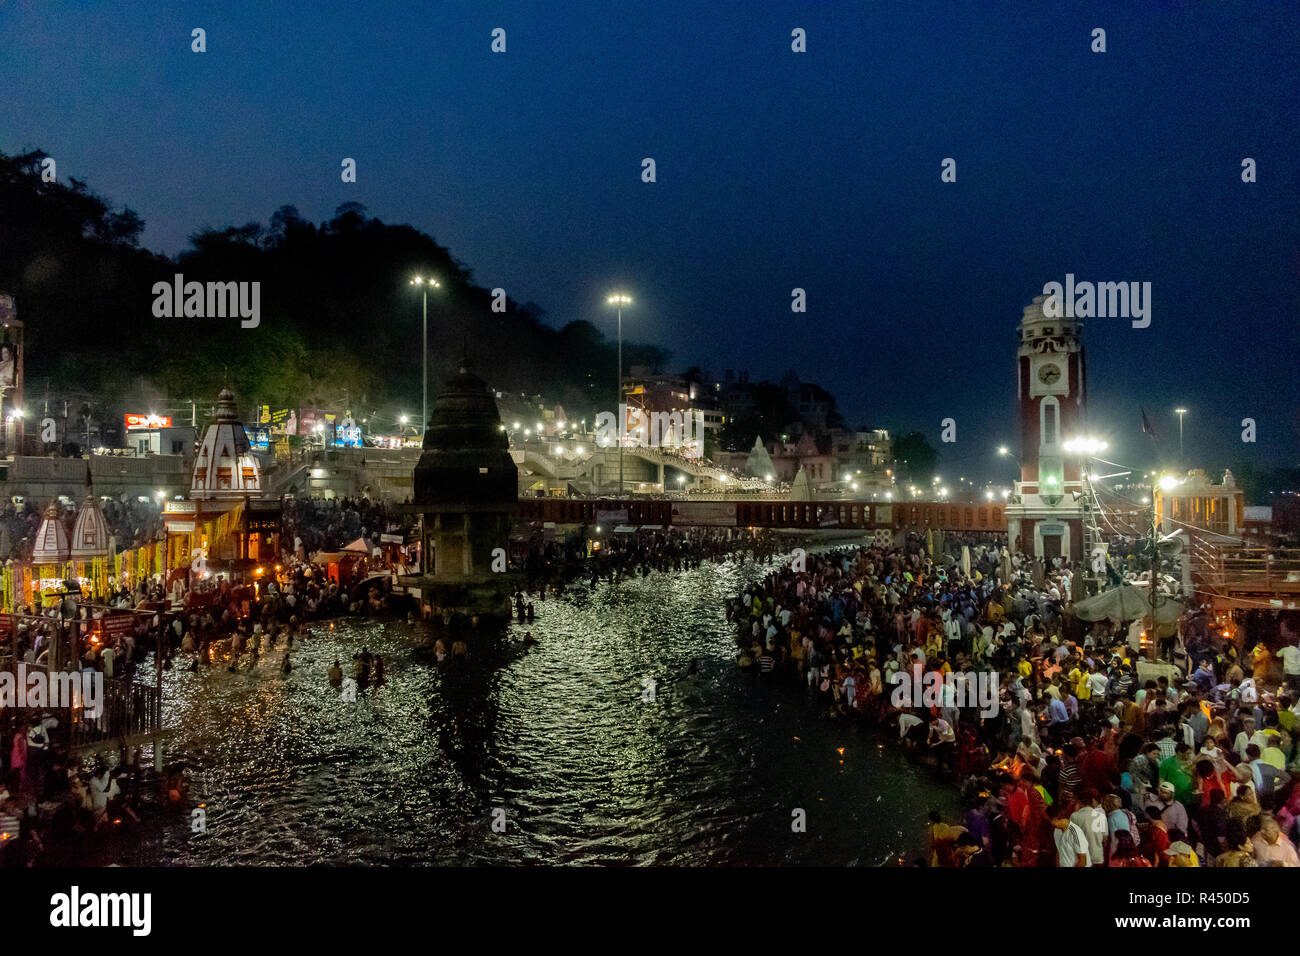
column 558, row 736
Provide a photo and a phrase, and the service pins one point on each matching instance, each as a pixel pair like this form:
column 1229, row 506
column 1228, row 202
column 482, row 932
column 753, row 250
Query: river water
column 556, row 745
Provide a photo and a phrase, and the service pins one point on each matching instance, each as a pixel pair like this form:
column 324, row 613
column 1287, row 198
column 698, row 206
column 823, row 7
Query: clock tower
column 1045, row 514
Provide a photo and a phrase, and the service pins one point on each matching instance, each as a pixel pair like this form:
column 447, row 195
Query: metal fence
column 129, row 708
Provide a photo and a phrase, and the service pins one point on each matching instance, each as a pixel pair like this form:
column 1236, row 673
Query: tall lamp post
column 424, row 285
column 1180, row 412
column 619, row 300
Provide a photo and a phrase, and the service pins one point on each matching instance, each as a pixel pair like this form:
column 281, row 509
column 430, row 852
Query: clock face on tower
column 1049, row 374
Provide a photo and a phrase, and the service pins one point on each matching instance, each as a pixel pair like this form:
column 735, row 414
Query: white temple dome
column 225, row 467
column 90, row 537
column 51, row 545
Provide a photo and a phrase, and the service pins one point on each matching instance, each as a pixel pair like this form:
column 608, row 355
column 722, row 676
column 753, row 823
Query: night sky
column 775, row 170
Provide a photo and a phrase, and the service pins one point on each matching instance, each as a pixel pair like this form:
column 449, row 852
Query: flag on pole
column 1146, row 426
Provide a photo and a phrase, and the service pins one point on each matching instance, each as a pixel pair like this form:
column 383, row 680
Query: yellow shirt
column 1272, row 755
column 1082, row 686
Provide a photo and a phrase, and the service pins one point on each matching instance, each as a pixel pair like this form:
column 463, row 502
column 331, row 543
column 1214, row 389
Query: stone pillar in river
column 466, row 491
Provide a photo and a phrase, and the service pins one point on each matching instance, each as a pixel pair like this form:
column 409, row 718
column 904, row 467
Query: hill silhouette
column 339, row 322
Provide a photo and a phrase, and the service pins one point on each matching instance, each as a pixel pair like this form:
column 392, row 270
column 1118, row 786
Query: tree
column 915, row 459
column 770, row 414
column 337, row 312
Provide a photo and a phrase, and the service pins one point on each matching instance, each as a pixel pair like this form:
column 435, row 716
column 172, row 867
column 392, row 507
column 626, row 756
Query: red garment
column 1097, row 769
column 1017, row 805
column 1032, row 846
column 1155, row 840
column 1208, row 786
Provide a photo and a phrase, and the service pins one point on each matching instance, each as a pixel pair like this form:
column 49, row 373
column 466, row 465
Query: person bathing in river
column 336, row 675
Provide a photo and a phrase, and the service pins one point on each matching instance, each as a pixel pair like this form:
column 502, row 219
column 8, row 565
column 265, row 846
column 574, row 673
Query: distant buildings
column 650, row 393
column 796, row 423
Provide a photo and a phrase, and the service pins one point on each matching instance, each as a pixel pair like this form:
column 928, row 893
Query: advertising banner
column 147, row 421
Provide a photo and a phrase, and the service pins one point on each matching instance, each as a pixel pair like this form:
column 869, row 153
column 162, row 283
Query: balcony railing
column 1256, row 569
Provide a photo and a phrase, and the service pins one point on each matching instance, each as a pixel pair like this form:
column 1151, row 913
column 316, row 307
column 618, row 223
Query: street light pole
column 619, row 396
column 424, row 350
column 1180, row 412
column 424, row 353
column 619, row 300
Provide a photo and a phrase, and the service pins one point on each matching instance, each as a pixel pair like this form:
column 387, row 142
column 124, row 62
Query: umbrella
column 358, row 546
column 1127, row 603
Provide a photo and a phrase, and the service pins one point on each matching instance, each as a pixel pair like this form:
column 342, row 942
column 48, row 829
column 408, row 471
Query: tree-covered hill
column 338, row 318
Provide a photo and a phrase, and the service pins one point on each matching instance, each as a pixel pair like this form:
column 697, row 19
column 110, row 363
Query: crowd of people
column 553, row 565
column 55, row 808
column 329, row 524
column 1070, row 747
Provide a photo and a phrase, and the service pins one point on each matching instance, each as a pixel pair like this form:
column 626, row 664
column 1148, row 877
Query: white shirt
column 1240, row 744
column 944, row 730
column 1071, row 842
column 1092, row 821
column 906, row 722
column 1249, row 694
column 1291, row 659
column 102, row 789
column 948, row 694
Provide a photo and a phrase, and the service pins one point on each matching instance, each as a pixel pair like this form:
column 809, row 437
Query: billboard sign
column 147, row 421
column 348, row 433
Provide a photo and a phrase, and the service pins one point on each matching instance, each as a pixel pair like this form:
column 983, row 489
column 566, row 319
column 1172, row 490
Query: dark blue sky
column 775, row 170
